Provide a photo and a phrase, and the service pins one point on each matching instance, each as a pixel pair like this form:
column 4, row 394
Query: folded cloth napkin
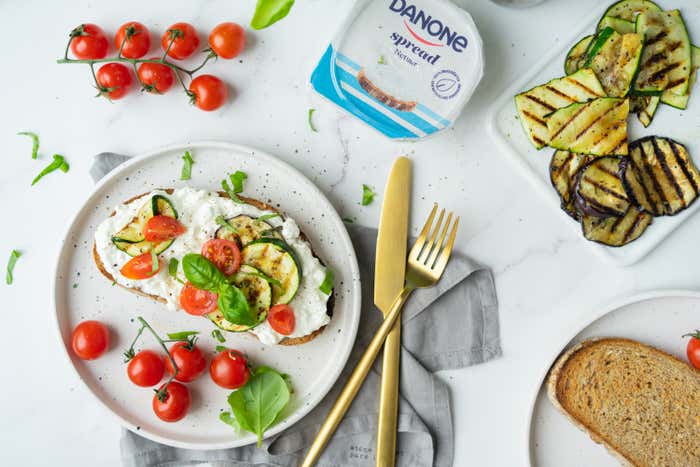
column 452, row 325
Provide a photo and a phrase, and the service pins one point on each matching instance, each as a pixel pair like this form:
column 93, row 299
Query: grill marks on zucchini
column 616, row 231
column 246, row 229
column 616, row 60
column 130, row 239
column 599, row 189
column 563, row 170
column 275, row 259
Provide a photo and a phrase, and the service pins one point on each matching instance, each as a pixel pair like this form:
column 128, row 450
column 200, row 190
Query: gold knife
column 389, row 278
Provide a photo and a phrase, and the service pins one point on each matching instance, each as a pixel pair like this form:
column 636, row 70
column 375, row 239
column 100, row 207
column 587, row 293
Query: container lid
column 405, row 67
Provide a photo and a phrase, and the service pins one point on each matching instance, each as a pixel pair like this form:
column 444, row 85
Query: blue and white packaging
column 405, row 67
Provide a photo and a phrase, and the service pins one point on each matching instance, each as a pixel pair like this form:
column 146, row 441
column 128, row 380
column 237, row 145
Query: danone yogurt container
column 404, row 67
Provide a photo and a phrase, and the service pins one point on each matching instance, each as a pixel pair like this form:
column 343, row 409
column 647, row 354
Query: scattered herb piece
column 271, row 232
column 267, row 278
column 14, row 256
column 226, row 416
column 268, row 12
column 35, row 142
column 221, row 348
column 154, row 262
column 311, row 120
column 225, row 224
column 183, row 335
column 265, row 217
column 237, row 180
column 75, row 286
column 327, row 285
column 59, row 163
column 172, row 267
column 381, row 60
column 186, row 173
column 216, row 334
column 367, row 195
column 347, row 220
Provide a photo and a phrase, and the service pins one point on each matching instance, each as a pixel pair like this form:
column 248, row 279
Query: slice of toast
column 253, row 202
column 641, row 403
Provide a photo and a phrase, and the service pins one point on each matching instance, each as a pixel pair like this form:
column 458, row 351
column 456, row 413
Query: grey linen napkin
column 452, row 325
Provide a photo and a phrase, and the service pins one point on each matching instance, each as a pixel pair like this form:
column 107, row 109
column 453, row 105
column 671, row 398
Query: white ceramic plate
column 81, row 293
column 534, row 165
column 656, row 318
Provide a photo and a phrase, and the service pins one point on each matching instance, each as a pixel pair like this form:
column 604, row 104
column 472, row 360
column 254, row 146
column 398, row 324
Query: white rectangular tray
column 680, row 125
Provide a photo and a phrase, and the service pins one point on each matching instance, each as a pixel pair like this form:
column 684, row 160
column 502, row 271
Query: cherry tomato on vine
column 114, row 80
column 229, row 369
column 693, row 349
column 227, row 40
column 225, row 254
column 156, row 77
column 184, row 40
column 174, row 405
column 146, row 369
column 197, row 302
column 281, row 319
column 90, row 340
column 160, row 228
column 209, row 92
column 89, row 42
column 136, row 40
column 140, row 267
column 189, row 359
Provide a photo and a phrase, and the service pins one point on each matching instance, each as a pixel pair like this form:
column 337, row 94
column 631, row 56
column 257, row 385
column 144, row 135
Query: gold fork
column 426, row 263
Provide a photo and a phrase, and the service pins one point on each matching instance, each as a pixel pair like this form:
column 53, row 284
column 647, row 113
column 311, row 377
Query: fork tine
column 420, row 241
column 441, row 262
column 438, row 246
column 431, row 243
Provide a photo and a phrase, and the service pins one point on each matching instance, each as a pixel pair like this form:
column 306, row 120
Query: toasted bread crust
column 253, row 202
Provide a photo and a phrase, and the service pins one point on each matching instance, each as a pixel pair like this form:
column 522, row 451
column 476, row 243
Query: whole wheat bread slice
column 253, row 202
column 641, row 403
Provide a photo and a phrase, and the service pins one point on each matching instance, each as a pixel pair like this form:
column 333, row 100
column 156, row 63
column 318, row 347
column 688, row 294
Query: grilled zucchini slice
column 681, row 102
column 577, row 56
column 599, row 189
column 563, row 170
column 277, row 260
column 246, row 229
column 666, row 60
column 629, row 9
column 667, row 182
column 535, row 104
column 130, row 239
column 618, row 230
column 598, row 127
column 616, row 60
column 258, row 292
column 620, row 25
column 645, row 108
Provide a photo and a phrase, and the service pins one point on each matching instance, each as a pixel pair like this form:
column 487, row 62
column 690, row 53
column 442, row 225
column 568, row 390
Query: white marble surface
column 547, row 278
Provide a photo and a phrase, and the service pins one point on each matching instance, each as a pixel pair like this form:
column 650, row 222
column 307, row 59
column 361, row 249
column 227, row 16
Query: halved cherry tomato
column 140, row 267
column 224, row 254
column 197, row 302
column 146, row 369
column 693, row 349
column 114, row 80
column 227, row 40
column 136, row 40
column 184, row 40
column 176, row 403
column 209, row 92
column 156, row 77
column 90, row 43
column 90, row 339
column 229, row 369
column 160, row 228
column 189, row 359
column 281, row 319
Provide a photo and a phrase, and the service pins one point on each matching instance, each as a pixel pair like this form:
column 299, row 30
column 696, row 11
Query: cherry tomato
column 140, row 267
column 156, row 77
column 189, row 359
column 281, row 319
column 209, row 92
column 693, row 349
column 227, row 40
column 89, row 43
column 197, row 302
column 136, row 39
column 184, row 40
column 176, row 403
column 90, row 340
column 224, row 254
column 229, row 369
column 114, row 80
column 160, row 228
column 146, row 369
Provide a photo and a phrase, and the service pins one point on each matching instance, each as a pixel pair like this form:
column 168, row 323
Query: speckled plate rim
column 579, row 326
column 355, row 297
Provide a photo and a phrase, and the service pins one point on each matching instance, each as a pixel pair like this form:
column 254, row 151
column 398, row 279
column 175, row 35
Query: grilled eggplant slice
column 563, row 170
column 598, row 127
column 277, row 260
column 130, row 239
column 245, row 229
column 577, row 56
column 629, row 9
column 666, row 60
column 258, row 292
column 535, row 104
column 616, row 60
column 616, row 231
column 618, row 24
column 681, row 102
column 668, row 181
column 599, row 189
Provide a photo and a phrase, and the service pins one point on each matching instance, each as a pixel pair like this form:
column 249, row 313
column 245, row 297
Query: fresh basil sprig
column 202, row 273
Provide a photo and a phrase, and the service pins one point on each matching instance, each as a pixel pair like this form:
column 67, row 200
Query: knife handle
column 389, row 399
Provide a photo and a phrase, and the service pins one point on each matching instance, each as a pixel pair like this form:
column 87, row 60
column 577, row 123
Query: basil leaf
column 268, row 12
column 183, row 335
column 201, row 272
column 186, row 173
column 172, row 267
column 367, row 195
column 14, row 256
column 59, row 162
column 265, row 217
column 35, row 142
column 327, row 285
column 311, row 122
column 237, row 180
column 225, row 224
column 234, row 306
column 216, row 334
column 258, row 404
